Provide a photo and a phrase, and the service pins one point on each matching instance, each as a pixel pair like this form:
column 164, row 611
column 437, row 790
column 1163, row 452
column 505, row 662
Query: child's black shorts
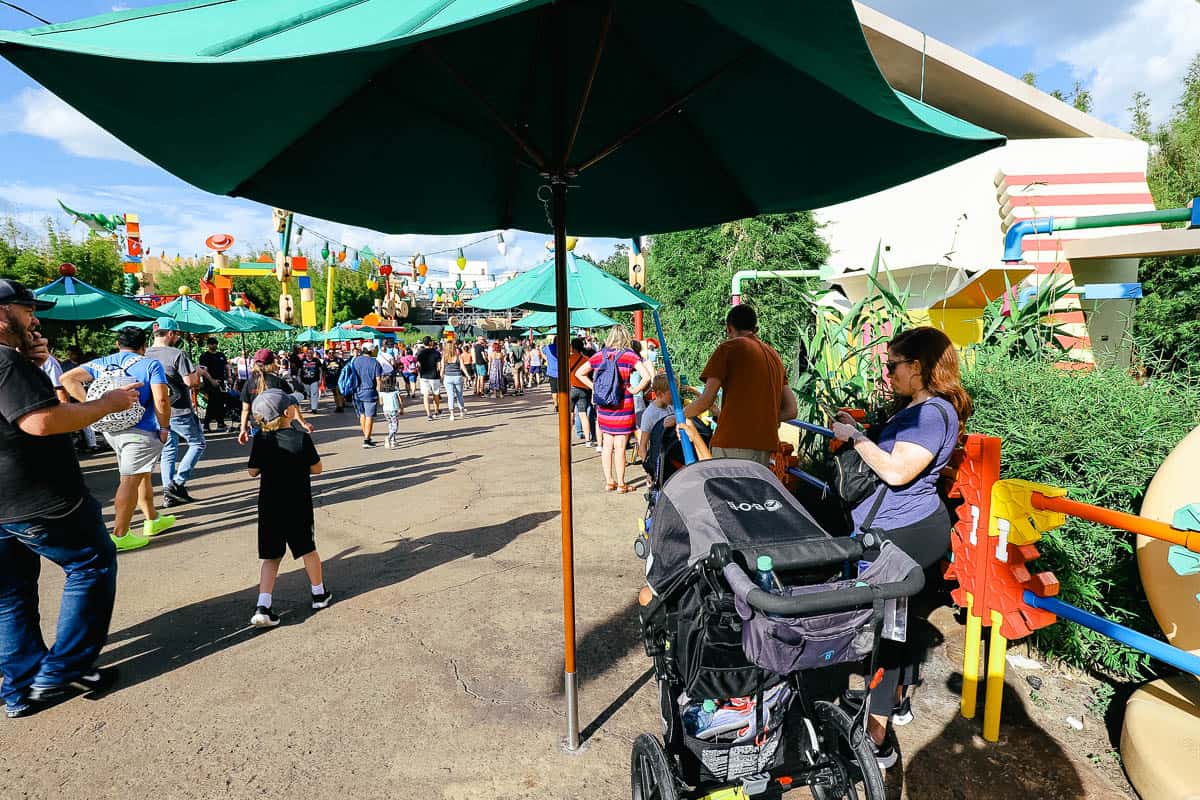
column 272, row 540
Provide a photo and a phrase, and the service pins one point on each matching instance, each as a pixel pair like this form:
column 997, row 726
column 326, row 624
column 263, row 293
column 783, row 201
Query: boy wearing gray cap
column 284, row 456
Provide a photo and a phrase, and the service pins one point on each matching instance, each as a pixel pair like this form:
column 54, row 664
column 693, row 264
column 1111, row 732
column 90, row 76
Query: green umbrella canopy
column 76, row 301
column 252, row 322
column 340, row 334
column 196, row 317
column 583, row 318
column 588, row 287
column 309, row 335
column 739, row 108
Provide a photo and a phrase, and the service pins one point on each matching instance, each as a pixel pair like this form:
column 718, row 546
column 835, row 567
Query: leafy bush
column 1026, row 330
column 1101, row 435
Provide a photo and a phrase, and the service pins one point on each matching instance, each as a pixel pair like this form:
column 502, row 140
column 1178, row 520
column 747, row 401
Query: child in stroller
column 736, row 664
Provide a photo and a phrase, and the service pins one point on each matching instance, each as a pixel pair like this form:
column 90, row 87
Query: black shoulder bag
column 855, row 481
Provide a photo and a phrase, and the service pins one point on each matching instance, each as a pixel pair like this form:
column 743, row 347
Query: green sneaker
column 130, row 541
column 153, row 527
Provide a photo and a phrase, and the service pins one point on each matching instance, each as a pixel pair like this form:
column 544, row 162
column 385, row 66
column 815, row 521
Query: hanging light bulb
column 461, row 260
column 501, row 245
column 325, row 252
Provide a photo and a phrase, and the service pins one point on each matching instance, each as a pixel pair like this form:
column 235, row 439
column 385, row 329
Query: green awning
column 781, row 106
column 76, row 301
column 252, row 322
column 194, row 316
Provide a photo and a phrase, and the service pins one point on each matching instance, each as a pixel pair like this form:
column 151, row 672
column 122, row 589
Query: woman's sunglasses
column 891, row 365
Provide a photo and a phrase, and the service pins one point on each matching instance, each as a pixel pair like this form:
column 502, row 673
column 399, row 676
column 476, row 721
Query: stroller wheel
column 650, row 772
column 856, row 773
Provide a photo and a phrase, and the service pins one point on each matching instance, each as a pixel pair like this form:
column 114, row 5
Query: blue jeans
column 188, row 427
column 79, row 543
column 454, row 392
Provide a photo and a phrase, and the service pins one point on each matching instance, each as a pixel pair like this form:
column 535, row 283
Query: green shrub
column 1101, row 435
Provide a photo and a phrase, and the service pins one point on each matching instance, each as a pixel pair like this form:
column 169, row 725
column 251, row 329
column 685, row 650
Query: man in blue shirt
column 366, row 399
column 138, row 448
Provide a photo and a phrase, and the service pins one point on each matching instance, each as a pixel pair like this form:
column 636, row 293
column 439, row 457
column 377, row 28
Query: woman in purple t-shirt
column 908, row 454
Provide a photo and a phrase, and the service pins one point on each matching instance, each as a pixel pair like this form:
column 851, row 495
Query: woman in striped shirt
column 616, row 423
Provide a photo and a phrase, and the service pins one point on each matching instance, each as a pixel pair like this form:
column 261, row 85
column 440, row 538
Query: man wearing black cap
column 45, row 510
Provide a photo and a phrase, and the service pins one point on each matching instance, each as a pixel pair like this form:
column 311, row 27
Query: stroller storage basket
column 724, row 762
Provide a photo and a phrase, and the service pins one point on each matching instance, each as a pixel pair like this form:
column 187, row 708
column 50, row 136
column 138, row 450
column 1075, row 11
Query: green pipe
column 755, row 274
column 1012, row 239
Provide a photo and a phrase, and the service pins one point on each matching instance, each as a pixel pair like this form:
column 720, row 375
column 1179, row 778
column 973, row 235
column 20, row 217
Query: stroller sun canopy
column 724, row 500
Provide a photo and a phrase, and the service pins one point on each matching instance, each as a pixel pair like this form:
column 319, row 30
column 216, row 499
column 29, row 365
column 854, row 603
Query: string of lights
column 301, row 230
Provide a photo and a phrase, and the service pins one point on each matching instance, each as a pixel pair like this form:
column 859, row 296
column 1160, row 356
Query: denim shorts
column 366, row 408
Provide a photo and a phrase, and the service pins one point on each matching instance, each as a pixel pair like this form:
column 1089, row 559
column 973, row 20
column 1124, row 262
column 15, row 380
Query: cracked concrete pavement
column 437, row 670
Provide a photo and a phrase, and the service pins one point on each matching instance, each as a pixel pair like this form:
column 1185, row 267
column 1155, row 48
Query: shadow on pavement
column 958, row 764
column 181, row 636
column 599, row 650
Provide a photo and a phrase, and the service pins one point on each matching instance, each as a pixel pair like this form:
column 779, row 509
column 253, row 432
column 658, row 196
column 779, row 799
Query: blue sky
column 49, row 152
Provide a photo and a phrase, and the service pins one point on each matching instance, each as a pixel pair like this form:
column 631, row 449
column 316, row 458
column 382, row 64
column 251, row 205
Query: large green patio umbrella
column 588, row 287
column 583, row 318
column 77, row 301
column 664, row 114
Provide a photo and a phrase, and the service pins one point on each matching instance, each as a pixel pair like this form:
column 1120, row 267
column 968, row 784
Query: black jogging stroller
column 735, row 663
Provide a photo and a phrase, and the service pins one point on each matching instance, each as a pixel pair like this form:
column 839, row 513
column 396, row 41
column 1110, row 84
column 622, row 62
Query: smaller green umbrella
column 583, row 318
column 196, row 317
column 77, row 301
column 588, row 286
column 252, row 322
column 309, row 335
column 340, row 334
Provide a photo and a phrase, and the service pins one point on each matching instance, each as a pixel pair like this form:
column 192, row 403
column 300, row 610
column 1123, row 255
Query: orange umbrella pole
column 562, row 346
column 1117, row 519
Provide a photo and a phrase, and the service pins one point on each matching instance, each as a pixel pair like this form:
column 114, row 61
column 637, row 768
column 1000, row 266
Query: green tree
column 1168, row 318
column 1030, row 78
column 1139, row 113
column 690, row 273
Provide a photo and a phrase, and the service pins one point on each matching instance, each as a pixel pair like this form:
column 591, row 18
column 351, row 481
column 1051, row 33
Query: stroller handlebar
column 819, row 602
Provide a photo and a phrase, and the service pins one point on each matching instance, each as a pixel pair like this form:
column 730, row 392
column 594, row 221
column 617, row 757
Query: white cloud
column 1149, row 48
column 1113, row 46
column 37, row 112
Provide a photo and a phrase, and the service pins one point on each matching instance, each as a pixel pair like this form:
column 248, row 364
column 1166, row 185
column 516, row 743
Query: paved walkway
column 436, row 672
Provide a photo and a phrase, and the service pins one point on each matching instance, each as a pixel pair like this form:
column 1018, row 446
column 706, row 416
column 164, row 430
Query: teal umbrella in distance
column 77, row 301
column 583, row 318
column 588, row 288
column 194, row 316
column 252, row 322
column 309, row 336
column 654, row 116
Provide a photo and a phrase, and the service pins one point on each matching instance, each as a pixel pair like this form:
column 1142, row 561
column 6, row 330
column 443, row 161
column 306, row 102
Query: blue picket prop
column 1180, row 659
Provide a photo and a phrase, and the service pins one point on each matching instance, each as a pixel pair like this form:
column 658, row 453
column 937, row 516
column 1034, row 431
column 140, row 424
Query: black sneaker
column 95, row 681
column 264, row 618
column 173, row 491
column 170, row 501
column 368, row 444
column 23, row 709
column 322, row 600
column 902, row 713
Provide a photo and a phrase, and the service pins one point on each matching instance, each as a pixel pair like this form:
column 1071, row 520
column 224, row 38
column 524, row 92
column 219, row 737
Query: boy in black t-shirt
column 284, row 455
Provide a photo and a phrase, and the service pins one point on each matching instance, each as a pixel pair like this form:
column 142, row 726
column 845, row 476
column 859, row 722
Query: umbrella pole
column 562, row 336
column 689, row 452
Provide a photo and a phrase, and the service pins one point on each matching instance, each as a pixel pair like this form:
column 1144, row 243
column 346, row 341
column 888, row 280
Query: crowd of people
column 146, row 400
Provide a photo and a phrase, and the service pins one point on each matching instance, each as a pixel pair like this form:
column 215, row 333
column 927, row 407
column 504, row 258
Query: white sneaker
column 387, row 445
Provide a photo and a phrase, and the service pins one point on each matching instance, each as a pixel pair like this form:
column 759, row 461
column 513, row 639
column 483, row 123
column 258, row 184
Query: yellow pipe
column 328, row 298
column 970, row 686
column 997, row 649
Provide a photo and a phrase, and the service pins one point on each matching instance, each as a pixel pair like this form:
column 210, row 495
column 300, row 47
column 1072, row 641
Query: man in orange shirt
column 756, row 395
